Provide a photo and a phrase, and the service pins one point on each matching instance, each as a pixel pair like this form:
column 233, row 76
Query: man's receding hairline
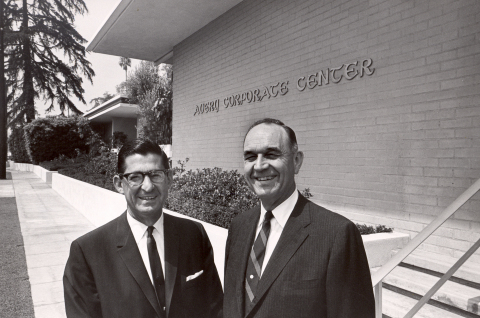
column 292, row 145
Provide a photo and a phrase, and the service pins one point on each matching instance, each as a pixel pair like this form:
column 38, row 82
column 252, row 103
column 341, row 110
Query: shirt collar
column 139, row 229
column 282, row 212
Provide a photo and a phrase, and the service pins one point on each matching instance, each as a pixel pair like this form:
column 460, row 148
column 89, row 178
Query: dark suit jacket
column 318, row 268
column 106, row 277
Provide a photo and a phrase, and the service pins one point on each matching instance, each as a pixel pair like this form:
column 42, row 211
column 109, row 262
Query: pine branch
column 47, row 28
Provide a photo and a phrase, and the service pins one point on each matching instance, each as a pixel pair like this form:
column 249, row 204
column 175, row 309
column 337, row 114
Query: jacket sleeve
column 80, row 292
column 214, row 288
column 349, row 285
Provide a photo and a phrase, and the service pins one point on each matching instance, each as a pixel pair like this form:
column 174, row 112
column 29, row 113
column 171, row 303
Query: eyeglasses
column 137, row 178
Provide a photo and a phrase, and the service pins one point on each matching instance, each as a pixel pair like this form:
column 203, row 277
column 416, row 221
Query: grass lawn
column 15, row 294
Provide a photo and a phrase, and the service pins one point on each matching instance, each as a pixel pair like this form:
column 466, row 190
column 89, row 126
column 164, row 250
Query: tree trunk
column 28, row 89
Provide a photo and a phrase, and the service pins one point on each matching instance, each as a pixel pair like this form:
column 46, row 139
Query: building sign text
column 330, row 75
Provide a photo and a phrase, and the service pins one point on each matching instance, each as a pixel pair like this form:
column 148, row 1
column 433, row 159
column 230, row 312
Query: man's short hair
column 271, row 121
column 142, row 147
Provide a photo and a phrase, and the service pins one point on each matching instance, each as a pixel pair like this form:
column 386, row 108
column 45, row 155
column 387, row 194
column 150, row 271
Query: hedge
column 211, row 195
column 47, row 138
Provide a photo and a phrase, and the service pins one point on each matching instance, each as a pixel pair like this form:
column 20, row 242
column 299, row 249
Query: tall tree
column 125, row 63
column 43, row 29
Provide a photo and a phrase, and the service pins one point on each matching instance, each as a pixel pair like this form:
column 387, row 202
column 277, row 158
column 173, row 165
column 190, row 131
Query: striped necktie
column 255, row 261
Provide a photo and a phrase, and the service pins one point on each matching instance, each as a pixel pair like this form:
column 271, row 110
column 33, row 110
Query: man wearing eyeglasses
column 144, row 263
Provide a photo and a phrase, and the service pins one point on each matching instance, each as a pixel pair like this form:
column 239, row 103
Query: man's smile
column 147, row 198
column 268, row 178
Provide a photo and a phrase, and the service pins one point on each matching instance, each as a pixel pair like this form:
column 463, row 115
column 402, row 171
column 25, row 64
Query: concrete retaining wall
column 22, row 166
column 97, row 204
column 43, row 173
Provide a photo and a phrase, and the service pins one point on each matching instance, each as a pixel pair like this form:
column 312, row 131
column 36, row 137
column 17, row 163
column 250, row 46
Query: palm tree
column 124, row 63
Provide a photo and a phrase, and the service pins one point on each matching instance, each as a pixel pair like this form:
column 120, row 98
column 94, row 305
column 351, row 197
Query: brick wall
column 395, row 147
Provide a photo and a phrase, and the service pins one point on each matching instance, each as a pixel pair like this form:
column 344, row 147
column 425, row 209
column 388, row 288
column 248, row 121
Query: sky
column 108, row 72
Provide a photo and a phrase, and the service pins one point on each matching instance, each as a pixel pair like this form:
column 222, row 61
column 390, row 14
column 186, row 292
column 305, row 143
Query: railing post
column 378, row 300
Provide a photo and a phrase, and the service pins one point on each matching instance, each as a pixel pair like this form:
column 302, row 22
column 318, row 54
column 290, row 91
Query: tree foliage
column 150, row 87
column 37, row 33
column 125, row 63
column 17, row 145
column 102, row 99
column 144, row 78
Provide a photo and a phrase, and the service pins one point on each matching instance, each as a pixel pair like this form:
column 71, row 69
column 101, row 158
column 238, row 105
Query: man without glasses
column 289, row 257
column 144, row 263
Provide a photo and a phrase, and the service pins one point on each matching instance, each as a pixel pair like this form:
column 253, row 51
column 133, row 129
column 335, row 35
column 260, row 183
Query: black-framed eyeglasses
column 137, row 178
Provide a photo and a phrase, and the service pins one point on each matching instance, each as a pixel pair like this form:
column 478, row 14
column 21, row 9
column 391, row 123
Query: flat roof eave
column 149, row 29
column 120, row 110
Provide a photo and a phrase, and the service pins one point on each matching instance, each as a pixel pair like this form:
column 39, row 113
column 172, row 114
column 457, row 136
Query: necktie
column 156, row 267
column 255, row 261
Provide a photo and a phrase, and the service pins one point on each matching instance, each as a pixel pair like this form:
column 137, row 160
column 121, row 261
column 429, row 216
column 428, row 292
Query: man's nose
column 147, row 184
column 260, row 163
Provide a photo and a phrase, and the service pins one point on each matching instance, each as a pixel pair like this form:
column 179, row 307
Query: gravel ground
column 15, row 294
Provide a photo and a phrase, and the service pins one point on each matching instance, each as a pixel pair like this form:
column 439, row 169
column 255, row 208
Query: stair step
column 470, row 271
column 451, row 293
column 397, row 306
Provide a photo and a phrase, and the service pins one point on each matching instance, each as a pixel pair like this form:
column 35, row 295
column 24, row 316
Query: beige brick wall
column 393, row 148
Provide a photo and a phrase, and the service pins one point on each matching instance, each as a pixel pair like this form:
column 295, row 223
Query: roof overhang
column 115, row 107
column 149, row 29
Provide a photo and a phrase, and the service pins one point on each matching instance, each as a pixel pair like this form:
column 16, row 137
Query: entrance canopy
column 149, row 29
column 115, row 107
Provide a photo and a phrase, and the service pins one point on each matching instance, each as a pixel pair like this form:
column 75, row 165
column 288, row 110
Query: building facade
column 384, row 96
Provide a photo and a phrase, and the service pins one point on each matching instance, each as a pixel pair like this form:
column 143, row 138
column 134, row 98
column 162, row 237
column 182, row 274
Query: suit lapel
column 293, row 235
column 129, row 253
column 246, row 231
column 171, row 242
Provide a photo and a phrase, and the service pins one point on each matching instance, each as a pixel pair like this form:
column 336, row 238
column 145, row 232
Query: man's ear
column 297, row 161
column 170, row 177
column 117, row 183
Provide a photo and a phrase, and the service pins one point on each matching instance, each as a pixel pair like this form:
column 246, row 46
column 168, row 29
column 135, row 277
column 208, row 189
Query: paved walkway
column 49, row 224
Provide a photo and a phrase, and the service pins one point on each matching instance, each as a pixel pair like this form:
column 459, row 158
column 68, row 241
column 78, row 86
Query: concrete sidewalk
column 49, row 224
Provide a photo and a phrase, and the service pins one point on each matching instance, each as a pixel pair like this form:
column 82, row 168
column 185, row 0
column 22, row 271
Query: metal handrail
column 442, row 280
column 379, row 275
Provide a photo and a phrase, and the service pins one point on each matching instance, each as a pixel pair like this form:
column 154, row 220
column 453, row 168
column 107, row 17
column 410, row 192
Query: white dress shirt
column 280, row 217
column 139, row 231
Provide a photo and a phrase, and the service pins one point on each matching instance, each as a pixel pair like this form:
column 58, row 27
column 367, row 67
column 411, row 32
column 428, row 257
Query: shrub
column 306, row 193
column 210, row 194
column 63, row 162
column 17, row 145
column 98, row 170
column 104, row 164
column 368, row 229
column 47, row 138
